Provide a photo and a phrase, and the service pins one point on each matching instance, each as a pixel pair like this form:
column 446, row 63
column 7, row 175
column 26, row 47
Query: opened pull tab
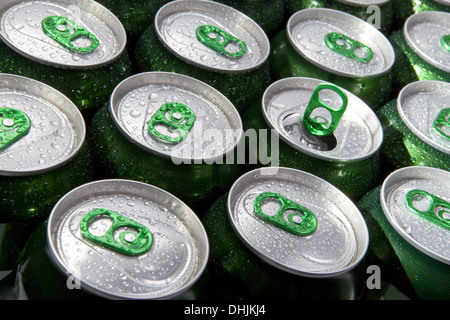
column 218, row 40
column 176, row 118
column 319, row 126
column 348, row 47
column 125, row 236
column 302, row 222
column 66, row 31
column 435, row 209
column 14, row 125
column 445, row 42
column 442, row 123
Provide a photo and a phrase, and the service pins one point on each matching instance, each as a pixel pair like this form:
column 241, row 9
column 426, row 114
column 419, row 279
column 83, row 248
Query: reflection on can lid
column 212, row 36
column 56, row 131
column 308, row 29
column 166, row 268
column 336, row 236
column 421, row 105
column 424, row 32
column 62, row 33
column 427, row 236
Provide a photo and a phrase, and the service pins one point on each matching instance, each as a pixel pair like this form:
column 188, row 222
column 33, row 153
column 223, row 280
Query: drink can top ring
column 364, row 2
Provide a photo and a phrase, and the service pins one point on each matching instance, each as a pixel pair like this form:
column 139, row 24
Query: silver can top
column 416, row 202
column 176, row 116
column 340, row 43
column 444, row 2
column 127, row 240
column 62, row 33
column 358, row 134
column 40, row 128
column 424, row 109
column 364, row 2
column 427, row 34
column 297, row 222
column 212, row 36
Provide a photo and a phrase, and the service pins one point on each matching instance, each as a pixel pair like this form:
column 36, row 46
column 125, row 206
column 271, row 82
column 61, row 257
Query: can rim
column 54, row 220
column 364, row 3
column 64, row 105
column 228, row 12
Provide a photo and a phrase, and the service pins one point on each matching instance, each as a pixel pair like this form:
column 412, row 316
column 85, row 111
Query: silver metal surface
column 364, row 2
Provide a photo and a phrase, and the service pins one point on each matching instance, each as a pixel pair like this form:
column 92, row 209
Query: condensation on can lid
column 339, row 242
column 358, row 135
column 308, row 28
column 57, row 129
column 22, row 29
column 174, row 262
column 424, row 32
column 217, row 128
column 176, row 25
column 419, row 105
column 424, row 235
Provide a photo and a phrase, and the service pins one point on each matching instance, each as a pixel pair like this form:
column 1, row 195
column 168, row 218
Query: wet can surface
column 282, row 233
column 348, row 156
column 422, row 49
column 185, row 39
column 76, row 47
column 336, row 47
column 104, row 235
column 404, row 9
column 408, row 220
column 416, row 127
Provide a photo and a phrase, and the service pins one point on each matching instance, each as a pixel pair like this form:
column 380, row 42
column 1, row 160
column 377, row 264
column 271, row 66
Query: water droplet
column 135, row 113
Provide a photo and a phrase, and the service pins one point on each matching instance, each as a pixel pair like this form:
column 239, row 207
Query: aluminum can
column 133, row 137
column 314, row 44
column 115, row 239
column 348, row 157
column 422, row 49
column 77, row 47
column 417, row 127
column 183, row 40
column 286, row 235
column 407, row 217
column 404, row 9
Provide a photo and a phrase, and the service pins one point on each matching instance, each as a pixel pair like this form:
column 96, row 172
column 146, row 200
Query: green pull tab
column 347, row 47
column 180, row 118
column 66, row 31
column 218, row 40
column 131, row 243
column 318, row 126
column 14, row 124
column 437, row 211
column 443, row 121
column 445, row 42
column 307, row 221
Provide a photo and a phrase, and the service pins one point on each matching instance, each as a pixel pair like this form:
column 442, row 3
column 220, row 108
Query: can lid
column 340, row 43
column 427, row 34
column 176, row 116
column 424, row 109
column 364, row 2
column 416, row 202
column 335, row 236
column 212, row 36
column 133, row 215
column 62, row 33
column 358, row 134
column 40, row 128
column 445, row 2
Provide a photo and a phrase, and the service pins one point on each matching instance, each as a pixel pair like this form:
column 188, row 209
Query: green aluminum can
column 405, row 8
column 76, row 47
column 184, row 39
column 417, row 127
column 408, row 221
column 422, row 49
column 312, row 45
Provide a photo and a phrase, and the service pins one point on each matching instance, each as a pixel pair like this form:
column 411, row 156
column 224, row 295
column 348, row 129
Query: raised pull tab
column 436, row 210
column 441, row 122
column 445, row 42
column 134, row 239
column 174, row 116
column 319, row 126
column 66, row 31
column 302, row 222
column 218, row 40
column 14, row 125
column 348, row 47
